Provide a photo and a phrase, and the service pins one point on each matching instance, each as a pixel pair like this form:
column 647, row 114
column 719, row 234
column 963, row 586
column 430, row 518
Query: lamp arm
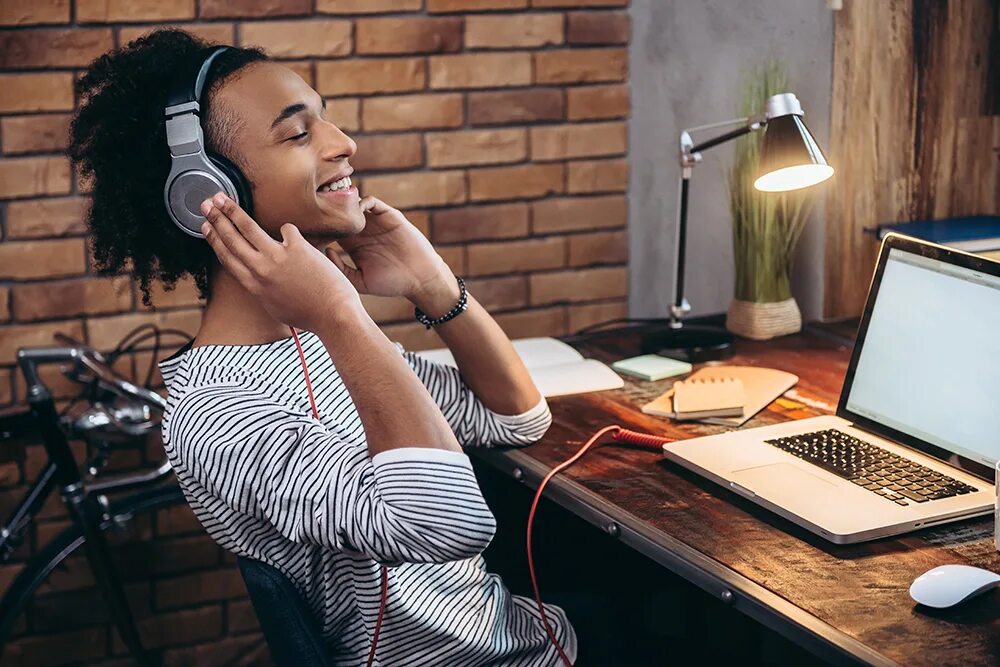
column 690, row 155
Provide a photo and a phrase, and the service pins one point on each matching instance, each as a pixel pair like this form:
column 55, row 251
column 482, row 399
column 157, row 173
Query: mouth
column 335, row 185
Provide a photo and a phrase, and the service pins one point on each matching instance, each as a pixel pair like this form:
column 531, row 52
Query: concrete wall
column 686, row 59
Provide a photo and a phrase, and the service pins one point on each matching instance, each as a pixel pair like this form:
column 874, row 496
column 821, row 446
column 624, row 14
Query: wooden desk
column 846, row 604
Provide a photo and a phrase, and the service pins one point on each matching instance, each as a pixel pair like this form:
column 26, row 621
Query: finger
column 239, row 247
column 374, row 205
column 248, row 227
column 351, row 273
column 226, row 258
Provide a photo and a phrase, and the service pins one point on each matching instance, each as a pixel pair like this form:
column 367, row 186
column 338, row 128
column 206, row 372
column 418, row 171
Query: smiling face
column 287, row 148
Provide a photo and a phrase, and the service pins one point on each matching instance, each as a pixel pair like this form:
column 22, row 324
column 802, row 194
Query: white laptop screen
column 929, row 365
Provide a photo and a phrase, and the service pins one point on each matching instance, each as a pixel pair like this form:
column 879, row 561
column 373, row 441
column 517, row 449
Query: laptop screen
column 929, row 363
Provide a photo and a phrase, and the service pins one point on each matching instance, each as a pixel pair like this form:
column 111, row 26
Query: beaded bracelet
column 463, row 303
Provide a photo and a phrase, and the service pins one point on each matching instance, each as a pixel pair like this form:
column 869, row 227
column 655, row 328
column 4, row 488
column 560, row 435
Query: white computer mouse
column 947, row 585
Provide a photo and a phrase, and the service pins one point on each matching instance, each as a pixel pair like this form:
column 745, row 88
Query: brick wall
column 498, row 126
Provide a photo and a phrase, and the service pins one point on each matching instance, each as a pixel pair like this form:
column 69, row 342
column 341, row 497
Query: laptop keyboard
column 871, row 467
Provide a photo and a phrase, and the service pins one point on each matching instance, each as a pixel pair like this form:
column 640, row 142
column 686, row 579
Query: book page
column 534, row 352
column 575, row 377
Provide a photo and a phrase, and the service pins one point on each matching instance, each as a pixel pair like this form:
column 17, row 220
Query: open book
column 556, row 368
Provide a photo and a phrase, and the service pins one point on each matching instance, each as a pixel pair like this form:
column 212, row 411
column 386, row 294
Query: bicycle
column 120, row 411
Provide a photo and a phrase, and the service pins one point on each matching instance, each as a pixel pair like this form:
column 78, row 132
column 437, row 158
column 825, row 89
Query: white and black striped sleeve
column 265, row 458
column 474, row 424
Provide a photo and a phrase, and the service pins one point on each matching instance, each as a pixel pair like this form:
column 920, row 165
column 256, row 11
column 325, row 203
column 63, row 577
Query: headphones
column 195, row 173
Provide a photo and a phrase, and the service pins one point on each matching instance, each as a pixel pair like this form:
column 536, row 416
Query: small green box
column 651, row 367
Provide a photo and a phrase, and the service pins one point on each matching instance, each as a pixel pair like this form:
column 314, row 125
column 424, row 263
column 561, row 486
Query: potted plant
column 766, row 228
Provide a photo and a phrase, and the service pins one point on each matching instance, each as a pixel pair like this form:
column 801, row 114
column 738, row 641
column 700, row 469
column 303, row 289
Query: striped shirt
column 269, row 481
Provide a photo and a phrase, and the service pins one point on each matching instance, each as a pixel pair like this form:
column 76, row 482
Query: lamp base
column 690, row 343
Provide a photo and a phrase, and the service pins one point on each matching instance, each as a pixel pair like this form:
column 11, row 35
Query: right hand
column 295, row 282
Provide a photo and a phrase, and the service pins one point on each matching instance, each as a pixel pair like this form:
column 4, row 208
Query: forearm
column 393, row 404
column 487, row 360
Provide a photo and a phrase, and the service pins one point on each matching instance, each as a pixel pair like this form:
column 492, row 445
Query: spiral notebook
column 760, row 386
column 699, row 398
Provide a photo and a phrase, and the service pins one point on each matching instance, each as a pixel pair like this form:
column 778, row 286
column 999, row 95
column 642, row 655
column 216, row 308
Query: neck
column 233, row 316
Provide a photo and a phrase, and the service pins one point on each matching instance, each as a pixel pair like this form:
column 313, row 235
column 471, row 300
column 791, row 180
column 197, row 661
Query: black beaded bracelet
column 463, row 303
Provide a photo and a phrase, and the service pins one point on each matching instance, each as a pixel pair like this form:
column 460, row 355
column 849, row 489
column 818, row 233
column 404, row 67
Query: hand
column 391, row 255
column 293, row 280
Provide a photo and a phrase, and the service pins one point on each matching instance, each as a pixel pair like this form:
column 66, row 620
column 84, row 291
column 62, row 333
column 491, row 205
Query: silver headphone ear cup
column 184, row 193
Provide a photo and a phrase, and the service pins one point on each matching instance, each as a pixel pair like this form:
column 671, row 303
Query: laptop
column 916, row 437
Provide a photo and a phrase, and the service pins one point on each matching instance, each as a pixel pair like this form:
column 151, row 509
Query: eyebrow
column 290, row 111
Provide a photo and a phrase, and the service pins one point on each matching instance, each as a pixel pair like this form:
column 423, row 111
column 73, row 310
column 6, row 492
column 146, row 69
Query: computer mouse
column 947, row 585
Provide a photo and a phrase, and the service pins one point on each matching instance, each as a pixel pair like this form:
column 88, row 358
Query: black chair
column 292, row 632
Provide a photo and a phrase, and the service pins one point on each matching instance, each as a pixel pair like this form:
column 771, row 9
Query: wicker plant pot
column 763, row 321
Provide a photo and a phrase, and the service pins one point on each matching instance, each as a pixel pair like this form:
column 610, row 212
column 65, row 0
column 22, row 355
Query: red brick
column 518, row 30
column 421, row 220
column 584, row 315
column 560, row 142
column 537, row 322
column 404, row 112
column 35, row 134
column 241, row 617
column 25, row 335
column 451, row 149
column 581, row 65
column 376, row 75
column 53, row 47
column 299, row 39
column 496, row 294
column 521, row 106
column 41, row 259
column 391, row 152
column 304, row 68
column 47, row 91
column 454, row 257
column 128, row 11
column 579, row 3
column 597, row 176
column 30, row 12
column 409, row 35
column 6, row 387
column 413, row 336
column 428, row 188
column 578, row 213
column 597, row 102
column 61, row 216
column 517, row 256
column 4, row 305
column 480, row 70
column 213, row 9
column 527, row 181
column 387, row 309
column 500, row 221
column 345, row 113
column 599, row 248
column 199, row 587
column 69, row 298
column 579, row 285
column 105, row 332
column 444, row 6
column 213, row 33
column 597, row 28
column 178, row 628
column 366, row 6
column 58, row 649
column 26, row 176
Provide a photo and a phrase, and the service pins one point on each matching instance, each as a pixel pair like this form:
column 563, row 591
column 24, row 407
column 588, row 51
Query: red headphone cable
column 385, row 572
column 644, row 440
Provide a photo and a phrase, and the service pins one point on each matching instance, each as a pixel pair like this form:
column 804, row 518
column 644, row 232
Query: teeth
column 342, row 184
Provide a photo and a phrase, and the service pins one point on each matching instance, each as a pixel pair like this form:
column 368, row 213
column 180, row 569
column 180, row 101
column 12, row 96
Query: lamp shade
column 789, row 156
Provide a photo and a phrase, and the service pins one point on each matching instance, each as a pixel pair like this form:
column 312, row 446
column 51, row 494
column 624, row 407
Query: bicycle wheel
column 38, row 569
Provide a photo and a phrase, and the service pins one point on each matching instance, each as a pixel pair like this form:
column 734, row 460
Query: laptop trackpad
column 788, row 485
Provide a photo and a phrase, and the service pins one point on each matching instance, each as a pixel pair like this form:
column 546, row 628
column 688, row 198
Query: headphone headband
column 188, row 86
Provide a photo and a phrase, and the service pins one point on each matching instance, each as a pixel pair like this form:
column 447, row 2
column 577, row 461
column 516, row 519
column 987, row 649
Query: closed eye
column 297, row 137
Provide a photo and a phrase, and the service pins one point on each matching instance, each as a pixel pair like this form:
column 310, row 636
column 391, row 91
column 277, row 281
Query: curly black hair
column 118, row 138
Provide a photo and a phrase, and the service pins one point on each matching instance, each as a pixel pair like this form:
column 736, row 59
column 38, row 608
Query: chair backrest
column 292, row 632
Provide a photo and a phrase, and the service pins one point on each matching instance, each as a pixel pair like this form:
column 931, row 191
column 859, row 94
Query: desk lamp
column 790, row 159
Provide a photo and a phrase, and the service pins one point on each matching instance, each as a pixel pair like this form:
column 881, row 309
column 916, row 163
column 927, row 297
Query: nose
column 337, row 144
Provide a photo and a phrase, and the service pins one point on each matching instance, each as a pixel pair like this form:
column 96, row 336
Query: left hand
column 391, row 255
